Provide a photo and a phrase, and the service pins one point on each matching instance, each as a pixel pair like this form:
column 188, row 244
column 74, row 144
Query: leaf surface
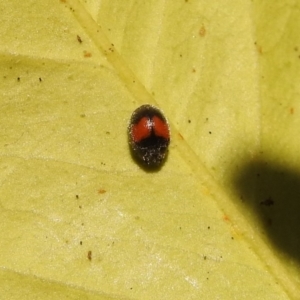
column 81, row 219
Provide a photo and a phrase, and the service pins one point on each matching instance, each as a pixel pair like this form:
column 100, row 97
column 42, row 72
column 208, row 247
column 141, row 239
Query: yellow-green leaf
column 80, row 219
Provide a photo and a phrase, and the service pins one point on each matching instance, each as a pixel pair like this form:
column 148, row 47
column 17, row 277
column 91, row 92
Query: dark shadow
column 273, row 193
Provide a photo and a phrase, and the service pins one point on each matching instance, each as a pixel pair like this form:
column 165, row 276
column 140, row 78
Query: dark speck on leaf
column 267, row 202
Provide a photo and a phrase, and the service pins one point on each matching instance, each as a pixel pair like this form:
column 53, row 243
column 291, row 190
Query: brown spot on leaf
column 202, row 31
column 87, row 54
column 79, row 39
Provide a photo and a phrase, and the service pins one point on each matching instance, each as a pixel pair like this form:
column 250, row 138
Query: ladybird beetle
column 149, row 135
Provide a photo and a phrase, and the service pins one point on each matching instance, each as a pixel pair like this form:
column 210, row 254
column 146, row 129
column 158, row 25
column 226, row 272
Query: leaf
column 81, row 219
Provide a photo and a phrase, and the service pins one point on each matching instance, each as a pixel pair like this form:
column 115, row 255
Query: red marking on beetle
column 161, row 128
column 141, row 130
column 101, row 191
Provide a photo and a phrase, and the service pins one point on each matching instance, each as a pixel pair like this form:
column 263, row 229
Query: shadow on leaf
column 273, row 192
